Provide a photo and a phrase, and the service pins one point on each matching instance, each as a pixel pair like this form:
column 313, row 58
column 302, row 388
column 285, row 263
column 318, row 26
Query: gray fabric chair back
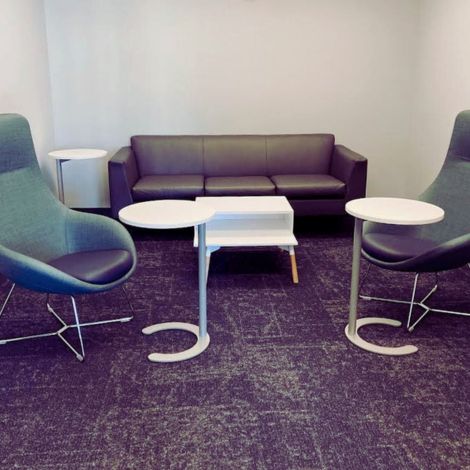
column 32, row 219
column 451, row 188
column 450, row 191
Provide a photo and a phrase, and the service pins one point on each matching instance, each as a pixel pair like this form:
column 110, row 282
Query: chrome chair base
column 414, row 303
column 80, row 355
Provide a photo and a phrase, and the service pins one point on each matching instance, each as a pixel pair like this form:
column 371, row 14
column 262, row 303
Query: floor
column 279, row 387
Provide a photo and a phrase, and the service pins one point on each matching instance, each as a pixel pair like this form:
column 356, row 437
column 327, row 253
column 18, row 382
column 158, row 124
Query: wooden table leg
column 295, row 275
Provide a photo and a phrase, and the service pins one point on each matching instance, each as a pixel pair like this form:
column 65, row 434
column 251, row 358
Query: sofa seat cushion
column 393, row 248
column 307, row 186
column 168, row 187
column 95, row 267
column 239, row 186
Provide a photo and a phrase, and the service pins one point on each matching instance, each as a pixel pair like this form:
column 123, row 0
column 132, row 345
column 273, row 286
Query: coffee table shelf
column 251, row 232
column 250, row 221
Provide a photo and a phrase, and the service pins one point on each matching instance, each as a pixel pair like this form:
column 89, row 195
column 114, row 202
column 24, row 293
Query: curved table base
column 389, row 351
column 197, row 349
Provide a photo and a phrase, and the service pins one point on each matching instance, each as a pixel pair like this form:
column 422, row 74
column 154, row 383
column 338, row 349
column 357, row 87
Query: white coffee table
column 169, row 214
column 250, row 221
column 65, row 155
column 383, row 210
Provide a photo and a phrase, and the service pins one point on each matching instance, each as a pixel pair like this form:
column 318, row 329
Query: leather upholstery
column 350, row 167
column 390, row 247
column 228, row 155
column 239, row 186
column 299, row 154
column 168, row 187
column 123, row 172
column 316, row 175
column 95, row 267
column 168, row 155
column 304, row 186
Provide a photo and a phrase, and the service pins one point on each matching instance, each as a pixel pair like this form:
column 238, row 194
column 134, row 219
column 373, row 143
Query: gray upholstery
column 305, row 186
column 239, row 186
column 299, row 154
column 168, row 187
column 37, row 229
column 123, row 175
column 391, row 248
column 317, row 176
column 96, row 267
column 441, row 246
column 168, row 155
column 243, row 155
column 350, row 167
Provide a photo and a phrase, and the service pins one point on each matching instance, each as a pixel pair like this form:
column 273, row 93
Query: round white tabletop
column 395, row 211
column 77, row 154
column 165, row 214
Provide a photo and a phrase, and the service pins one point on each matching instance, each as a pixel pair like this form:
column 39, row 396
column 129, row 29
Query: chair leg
column 7, row 298
column 64, row 326
column 412, row 303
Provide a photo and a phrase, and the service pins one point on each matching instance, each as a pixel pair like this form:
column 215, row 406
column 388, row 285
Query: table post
column 356, row 262
column 60, row 180
column 201, row 233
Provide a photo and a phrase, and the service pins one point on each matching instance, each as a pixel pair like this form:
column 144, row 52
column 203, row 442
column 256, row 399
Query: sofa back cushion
column 168, row 155
column 234, row 155
column 299, row 153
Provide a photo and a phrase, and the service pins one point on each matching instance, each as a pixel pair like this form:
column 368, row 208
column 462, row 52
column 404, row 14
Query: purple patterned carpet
column 279, row 387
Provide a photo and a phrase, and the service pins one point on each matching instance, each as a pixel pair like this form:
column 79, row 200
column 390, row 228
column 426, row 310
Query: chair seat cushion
column 168, row 187
column 239, row 186
column 306, row 186
column 95, row 267
column 393, row 248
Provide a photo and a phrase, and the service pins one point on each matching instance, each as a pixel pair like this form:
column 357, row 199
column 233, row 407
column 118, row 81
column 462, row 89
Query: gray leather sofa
column 317, row 176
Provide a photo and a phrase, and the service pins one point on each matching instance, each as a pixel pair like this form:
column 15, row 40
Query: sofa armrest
column 123, row 174
column 351, row 168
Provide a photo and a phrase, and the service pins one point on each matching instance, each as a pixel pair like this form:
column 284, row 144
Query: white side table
column 168, row 214
column 384, row 210
column 65, row 155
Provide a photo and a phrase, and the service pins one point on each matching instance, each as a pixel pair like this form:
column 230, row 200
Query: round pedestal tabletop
column 77, row 154
column 396, row 211
column 386, row 210
column 168, row 214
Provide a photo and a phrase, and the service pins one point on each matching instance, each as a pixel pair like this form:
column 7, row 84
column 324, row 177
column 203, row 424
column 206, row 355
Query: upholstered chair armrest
column 351, row 168
column 123, row 174
column 39, row 276
column 88, row 232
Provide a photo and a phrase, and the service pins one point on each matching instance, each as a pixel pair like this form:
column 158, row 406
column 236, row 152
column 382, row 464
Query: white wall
column 442, row 85
column 122, row 67
column 24, row 72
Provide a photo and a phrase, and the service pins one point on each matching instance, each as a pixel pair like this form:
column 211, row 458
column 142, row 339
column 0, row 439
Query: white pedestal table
column 65, row 155
column 385, row 210
column 168, row 214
